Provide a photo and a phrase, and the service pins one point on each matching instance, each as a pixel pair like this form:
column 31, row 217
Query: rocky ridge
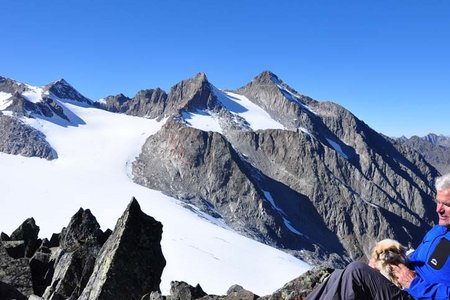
column 435, row 149
column 82, row 262
column 19, row 101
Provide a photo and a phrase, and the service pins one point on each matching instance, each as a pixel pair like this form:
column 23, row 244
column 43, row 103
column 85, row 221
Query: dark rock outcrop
column 180, row 290
column 131, row 262
column 302, row 286
column 18, row 138
column 7, row 292
column 74, row 260
column 65, row 92
column 15, row 272
column 147, row 103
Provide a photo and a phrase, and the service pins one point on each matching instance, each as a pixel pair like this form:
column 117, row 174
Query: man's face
column 443, row 207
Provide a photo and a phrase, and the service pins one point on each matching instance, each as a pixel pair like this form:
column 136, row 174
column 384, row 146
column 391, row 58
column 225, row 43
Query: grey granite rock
column 434, row 148
column 15, row 272
column 131, row 262
column 74, row 260
column 18, row 138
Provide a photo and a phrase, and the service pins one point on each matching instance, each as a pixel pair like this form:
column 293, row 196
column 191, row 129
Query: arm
column 419, row 288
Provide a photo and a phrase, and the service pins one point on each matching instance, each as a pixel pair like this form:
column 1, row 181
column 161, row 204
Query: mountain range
column 300, row 175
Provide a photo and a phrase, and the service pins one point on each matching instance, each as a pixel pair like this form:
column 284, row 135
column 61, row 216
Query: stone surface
column 302, row 286
column 9, row 292
column 147, row 103
column 15, row 272
column 180, row 290
column 18, row 138
column 74, row 260
column 131, row 262
column 435, row 149
column 324, row 189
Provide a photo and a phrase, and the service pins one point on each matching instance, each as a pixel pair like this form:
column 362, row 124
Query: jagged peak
column 267, row 77
column 201, row 76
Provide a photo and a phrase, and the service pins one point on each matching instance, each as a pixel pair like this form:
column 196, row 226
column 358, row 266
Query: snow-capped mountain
column 93, row 170
column 281, row 168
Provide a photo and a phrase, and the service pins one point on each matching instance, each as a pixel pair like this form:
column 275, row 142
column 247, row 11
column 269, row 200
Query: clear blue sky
column 387, row 61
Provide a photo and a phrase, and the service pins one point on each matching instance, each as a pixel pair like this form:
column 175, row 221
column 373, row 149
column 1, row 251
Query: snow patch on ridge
column 34, row 94
column 4, row 103
column 293, row 97
column 256, row 117
column 203, row 120
column 338, row 148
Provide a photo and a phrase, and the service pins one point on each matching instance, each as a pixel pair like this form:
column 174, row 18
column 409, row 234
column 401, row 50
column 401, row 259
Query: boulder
column 131, row 262
column 73, row 261
column 15, row 272
column 180, row 290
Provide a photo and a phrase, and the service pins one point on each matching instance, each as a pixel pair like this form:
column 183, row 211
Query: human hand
column 372, row 263
column 404, row 275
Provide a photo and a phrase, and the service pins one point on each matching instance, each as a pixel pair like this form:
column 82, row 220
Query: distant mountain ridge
column 317, row 182
column 435, row 148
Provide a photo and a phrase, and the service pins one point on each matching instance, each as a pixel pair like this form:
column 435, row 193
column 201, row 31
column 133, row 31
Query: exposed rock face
column 188, row 95
column 283, row 103
column 15, row 272
column 302, row 286
column 147, row 103
column 18, row 138
column 65, row 92
column 435, row 149
column 203, row 168
column 327, row 187
column 180, row 290
column 9, row 292
column 47, row 107
column 131, row 262
column 74, row 260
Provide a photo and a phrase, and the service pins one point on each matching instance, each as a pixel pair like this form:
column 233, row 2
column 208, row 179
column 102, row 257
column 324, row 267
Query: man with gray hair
column 426, row 277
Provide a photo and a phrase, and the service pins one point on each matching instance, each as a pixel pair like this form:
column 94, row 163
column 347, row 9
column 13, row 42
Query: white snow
column 34, row 94
column 4, row 103
column 93, row 171
column 239, row 105
column 293, row 97
column 203, row 120
column 338, row 148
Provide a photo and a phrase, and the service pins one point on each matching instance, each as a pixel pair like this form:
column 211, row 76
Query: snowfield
column 93, row 170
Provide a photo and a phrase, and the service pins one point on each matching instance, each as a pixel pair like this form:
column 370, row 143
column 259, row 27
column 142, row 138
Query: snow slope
column 93, row 171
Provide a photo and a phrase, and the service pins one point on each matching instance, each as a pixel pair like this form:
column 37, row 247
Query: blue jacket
column 432, row 263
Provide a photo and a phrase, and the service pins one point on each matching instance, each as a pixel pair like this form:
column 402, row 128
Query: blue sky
column 386, row 61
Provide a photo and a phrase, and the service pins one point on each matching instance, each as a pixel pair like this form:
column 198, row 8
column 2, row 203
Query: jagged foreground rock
column 131, row 262
column 324, row 188
column 82, row 262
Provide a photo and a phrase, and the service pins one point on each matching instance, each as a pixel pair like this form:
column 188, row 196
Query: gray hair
column 442, row 182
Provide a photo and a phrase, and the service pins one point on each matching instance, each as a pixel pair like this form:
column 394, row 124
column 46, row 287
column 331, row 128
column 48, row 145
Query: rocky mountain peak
column 266, row 77
column 63, row 90
column 191, row 95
